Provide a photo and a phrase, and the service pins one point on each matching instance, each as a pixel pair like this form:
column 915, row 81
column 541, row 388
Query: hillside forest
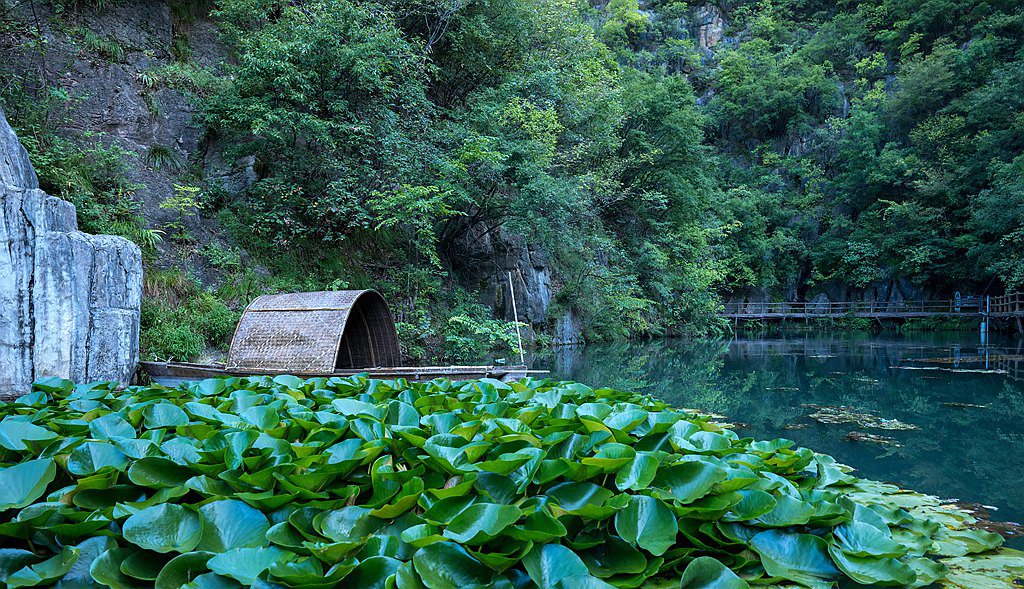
column 626, row 165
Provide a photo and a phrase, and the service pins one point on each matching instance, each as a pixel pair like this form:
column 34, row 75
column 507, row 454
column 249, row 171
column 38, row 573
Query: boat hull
column 172, row 373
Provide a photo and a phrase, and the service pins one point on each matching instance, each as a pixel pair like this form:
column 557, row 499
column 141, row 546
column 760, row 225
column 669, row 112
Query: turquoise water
column 969, row 416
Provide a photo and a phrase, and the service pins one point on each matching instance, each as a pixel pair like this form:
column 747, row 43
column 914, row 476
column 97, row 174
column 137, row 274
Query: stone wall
column 69, row 301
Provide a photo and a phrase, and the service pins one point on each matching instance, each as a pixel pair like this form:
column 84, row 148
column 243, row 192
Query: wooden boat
column 172, row 373
column 320, row 334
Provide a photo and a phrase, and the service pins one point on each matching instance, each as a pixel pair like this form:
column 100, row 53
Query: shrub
column 180, row 321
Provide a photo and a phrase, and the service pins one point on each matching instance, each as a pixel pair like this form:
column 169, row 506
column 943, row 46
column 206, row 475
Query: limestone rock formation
column 69, row 301
column 710, row 25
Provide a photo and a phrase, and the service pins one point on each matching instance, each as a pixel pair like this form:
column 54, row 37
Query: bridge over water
column 1009, row 306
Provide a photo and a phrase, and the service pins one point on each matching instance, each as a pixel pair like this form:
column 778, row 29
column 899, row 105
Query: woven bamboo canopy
column 315, row 333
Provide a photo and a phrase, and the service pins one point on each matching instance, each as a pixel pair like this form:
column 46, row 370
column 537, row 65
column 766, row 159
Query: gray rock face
column 69, row 301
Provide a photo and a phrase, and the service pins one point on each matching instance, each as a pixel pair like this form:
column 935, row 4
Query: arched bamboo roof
column 315, row 333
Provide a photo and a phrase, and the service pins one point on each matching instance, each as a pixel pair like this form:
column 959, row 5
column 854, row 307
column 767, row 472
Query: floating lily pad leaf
column 755, row 504
column 929, row 571
column 374, row 572
column 549, row 564
column 212, row 581
column 691, row 480
column 145, row 565
column 45, row 572
column 25, row 482
column 963, row 542
column 613, row 557
column 52, row 384
column 481, row 522
column 160, row 415
column 232, row 524
column 106, row 569
column 639, row 473
column 158, row 473
column 860, row 539
column 245, row 565
column 582, row 582
column 183, row 569
column 15, row 432
column 868, row 570
column 648, row 523
column 110, row 426
column 446, row 565
column 707, row 573
column 78, row 575
column 164, row 528
column 14, row 559
column 788, row 511
column 801, row 558
column 210, row 387
column 579, row 498
column 91, row 457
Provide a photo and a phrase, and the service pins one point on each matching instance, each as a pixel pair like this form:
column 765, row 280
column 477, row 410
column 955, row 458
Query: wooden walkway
column 1008, row 306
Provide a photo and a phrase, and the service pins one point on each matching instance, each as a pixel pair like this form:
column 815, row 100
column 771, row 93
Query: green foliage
column 106, row 47
column 517, row 121
column 180, row 320
column 287, row 482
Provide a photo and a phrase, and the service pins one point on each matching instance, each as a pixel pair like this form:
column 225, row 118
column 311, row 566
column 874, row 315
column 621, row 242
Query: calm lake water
column 969, row 438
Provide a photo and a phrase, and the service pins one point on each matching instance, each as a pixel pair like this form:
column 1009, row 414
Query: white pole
column 515, row 315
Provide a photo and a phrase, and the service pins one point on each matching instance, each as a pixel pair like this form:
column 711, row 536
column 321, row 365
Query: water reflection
column 969, row 439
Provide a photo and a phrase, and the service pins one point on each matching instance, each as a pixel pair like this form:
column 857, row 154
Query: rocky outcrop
column 710, row 25
column 69, row 301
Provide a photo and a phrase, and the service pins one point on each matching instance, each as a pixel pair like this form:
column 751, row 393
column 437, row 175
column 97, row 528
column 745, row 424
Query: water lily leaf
column 245, row 565
column 755, row 504
column 549, row 564
column 183, row 569
column 868, row 570
column 374, row 572
column 639, row 473
column 648, row 523
column 210, row 387
column 788, row 511
column 160, row 415
column 480, row 522
column 231, row 524
column 78, row 575
column 859, row 539
column 446, row 565
column 145, row 565
column 90, row 457
column 212, row 581
column 23, row 483
column 15, row 432
column 164, row 528
column 929, row 571
column 963, row 542
column 106, row 569
column 45, row 572
column 613, row 557
column 110, row 426
column 689, row 481
column 158, row 473
column 708, row 573
column 801, row 558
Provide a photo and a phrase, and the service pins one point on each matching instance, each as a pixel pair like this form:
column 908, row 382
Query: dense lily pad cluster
column 357, row 482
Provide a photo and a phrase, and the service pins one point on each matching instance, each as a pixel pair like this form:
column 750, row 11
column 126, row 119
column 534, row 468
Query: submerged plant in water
column 358, row 482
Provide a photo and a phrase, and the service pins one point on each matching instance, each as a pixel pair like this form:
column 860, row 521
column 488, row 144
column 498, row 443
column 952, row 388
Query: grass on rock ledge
column 355, row 482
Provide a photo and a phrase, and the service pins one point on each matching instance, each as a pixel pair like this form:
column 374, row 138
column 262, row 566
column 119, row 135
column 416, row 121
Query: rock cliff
column 69, row 302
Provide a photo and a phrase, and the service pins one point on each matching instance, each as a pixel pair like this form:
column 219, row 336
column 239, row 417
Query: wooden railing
column 967, row 306
column 1009, row 305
